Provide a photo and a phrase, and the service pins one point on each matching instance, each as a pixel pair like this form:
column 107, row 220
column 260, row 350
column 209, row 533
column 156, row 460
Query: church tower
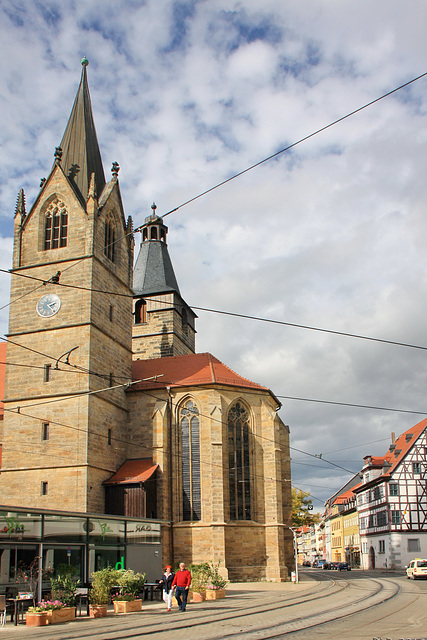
column 70, row 327
column 164, row 325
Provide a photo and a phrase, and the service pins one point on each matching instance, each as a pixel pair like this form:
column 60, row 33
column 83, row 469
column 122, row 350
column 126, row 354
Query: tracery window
column 109, row 240
column 239, row 462
column 190, row 448
column 56, row 225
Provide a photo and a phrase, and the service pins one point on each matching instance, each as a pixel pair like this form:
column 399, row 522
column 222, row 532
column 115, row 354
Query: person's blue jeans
column 181, row 592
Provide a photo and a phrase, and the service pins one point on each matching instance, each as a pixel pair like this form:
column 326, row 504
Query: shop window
column 239, row 463
column 190, row 446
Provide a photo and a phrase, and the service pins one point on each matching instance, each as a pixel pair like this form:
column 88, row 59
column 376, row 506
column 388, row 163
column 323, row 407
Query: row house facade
column 379, row 519
column 392, row 502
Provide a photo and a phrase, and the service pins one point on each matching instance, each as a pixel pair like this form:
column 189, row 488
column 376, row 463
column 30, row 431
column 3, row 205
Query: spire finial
column 154, row 207
column 115, row 169
column 58, row 155
column 20, row 205
column 85, row 61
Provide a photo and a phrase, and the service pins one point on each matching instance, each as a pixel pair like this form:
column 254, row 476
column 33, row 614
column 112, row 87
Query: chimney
column 393, row 437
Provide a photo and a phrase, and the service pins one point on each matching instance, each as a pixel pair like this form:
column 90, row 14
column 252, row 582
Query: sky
column 330, row 234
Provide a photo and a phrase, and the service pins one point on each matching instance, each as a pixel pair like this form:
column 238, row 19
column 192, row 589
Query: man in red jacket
column 182, row 581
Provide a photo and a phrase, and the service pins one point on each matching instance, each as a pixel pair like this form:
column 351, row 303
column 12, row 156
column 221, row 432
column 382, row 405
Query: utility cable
column 245, row 316
column 294, row 144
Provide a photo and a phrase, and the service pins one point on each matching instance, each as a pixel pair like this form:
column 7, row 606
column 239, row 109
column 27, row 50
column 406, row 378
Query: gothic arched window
column 239, row 462
column 190, row 449
column 109, row 240
column 56, row 225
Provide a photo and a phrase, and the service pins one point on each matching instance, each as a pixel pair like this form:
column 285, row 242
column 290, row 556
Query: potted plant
column 199, row 577
column 100, row 593
column 215, row 585
column 64, row 589
column 126, row 599
column 41, row 614
column 36, row 616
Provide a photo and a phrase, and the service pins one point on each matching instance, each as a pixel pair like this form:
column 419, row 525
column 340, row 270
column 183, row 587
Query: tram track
column 204, row 624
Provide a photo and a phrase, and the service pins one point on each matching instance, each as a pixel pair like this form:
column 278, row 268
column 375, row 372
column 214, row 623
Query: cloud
column 330, row 234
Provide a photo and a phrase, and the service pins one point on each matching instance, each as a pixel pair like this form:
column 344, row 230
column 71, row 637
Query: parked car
column 343, row 566
column 333, row 565
column 306, row 563
column 417, row 569
column 320, row 564
column 326, row 565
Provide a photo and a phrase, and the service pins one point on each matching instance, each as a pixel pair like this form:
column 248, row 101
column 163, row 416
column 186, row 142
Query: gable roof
column 196, row 369
column 133, row 471
column 403, row 444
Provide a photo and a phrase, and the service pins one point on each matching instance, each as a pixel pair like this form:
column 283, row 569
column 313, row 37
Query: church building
column 108, row 408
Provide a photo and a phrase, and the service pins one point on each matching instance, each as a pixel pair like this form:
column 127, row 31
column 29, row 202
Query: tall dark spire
column 80, row 151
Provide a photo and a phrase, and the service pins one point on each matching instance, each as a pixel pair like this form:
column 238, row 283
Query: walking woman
column 166, row 583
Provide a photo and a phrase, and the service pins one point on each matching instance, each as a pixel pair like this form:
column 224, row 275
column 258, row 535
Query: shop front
column 36, row 545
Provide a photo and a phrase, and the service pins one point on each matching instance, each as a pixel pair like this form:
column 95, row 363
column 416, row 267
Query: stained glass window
column 239, row 463
column 190, row 447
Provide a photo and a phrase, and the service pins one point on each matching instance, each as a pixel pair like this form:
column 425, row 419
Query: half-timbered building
column 392, row 502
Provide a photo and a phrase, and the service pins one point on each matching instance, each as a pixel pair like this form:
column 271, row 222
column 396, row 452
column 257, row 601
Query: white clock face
column 48, row 305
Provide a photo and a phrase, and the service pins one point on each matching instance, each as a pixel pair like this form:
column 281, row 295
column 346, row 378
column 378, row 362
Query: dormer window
column 56, row 225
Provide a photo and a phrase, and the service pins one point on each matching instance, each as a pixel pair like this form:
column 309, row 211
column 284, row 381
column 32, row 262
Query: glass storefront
column 38, row 545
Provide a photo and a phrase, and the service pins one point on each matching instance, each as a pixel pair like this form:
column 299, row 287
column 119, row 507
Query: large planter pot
column 215, row 594
column 36, row 619
column 66, row 614
column 98, row 610
column 125, row 606
column 197, row 597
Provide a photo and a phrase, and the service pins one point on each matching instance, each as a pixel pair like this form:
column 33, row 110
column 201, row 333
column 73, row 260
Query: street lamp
column 294, row 535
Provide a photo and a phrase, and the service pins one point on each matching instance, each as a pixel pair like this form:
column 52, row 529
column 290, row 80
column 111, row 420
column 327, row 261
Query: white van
column 417, row 569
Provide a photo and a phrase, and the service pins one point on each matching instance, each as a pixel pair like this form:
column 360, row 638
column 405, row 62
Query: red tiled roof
column 403, row 446
column 3, row 346
column 189, row 370
column 347, row 495
column 133, row 471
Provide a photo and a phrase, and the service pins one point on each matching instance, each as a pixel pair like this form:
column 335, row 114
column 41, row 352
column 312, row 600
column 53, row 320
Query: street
column 354, row 605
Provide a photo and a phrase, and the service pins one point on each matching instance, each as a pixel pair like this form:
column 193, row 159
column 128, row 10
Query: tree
column 302, row 506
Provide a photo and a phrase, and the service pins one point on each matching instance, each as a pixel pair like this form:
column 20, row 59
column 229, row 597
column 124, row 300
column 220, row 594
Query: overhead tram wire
column 244, row 316
column 357, row 406
column 260, row 162
column 294, row 144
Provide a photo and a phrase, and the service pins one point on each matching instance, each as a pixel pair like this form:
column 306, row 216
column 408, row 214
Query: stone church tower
column 71, row 339
column 108, row 408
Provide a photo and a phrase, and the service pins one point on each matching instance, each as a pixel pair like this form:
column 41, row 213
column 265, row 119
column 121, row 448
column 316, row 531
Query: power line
column 294, row 144
column 358, row 406
column 243, row 315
